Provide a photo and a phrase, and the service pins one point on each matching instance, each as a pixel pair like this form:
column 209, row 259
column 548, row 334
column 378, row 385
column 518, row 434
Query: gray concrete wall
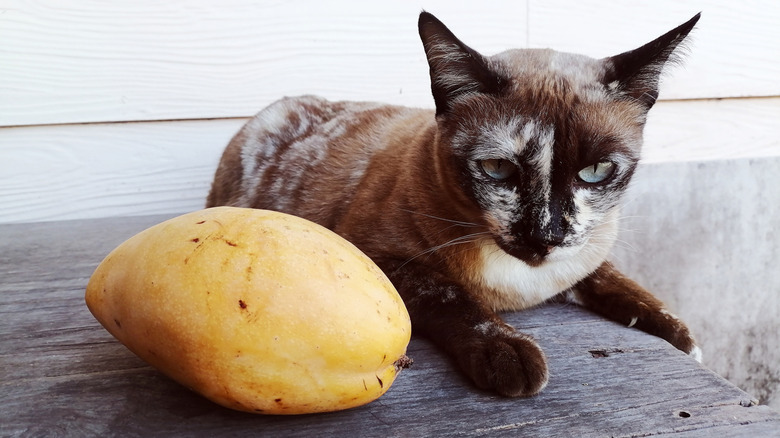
column 705, row 238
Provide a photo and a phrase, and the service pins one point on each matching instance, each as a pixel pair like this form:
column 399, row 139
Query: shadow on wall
column 705, row 238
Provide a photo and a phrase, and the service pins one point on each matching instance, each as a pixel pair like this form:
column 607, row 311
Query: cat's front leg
column 492, row 353
column 615, row 296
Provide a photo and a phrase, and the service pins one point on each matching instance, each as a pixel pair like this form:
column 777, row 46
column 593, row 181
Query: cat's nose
column 544, row 242
column 545, row 249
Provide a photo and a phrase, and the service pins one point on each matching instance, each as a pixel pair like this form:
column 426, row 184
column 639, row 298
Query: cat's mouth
column 532, row 256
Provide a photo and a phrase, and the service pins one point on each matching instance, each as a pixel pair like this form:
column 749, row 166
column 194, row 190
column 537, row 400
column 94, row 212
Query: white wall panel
column 87, row 61
column 82, row 171
column 712, row 130
column 94, row 61
column 734, row 52
column 98, row 170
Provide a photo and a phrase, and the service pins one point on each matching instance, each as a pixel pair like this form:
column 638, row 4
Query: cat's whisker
column 622, row 244
column 617, row 259
column 459, row 240
column 628, row 200
column 468, row 238
column 443, row 230
column 625, row 232
column 457, row 252
column 448, row 228
column 452, row 221
column 630, row 232
column 623, row 218
column 633, row 216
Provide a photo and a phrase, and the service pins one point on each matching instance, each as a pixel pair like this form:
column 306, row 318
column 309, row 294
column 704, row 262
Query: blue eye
column 498, row 169
column 597, row 173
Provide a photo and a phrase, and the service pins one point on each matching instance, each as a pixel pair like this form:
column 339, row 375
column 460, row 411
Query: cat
column 504, row 196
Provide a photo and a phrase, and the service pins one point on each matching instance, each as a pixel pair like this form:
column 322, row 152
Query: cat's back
column 304, row 155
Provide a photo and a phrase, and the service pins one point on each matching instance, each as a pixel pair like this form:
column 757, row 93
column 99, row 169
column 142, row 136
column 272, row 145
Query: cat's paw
column 668, row 326
column 675, row 331
column 501, row 359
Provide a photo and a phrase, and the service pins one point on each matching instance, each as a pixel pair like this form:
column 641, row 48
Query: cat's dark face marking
column 547, row 182
column 525, row 169
column 546, row 142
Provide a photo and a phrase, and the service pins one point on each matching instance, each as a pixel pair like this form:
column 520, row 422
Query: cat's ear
column 455, row 68
column 636, row 73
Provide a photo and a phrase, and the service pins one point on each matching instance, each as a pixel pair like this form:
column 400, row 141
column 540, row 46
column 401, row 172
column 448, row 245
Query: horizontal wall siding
column 79, row 61
column 67, row 65
column 96, row 170
column 88, row 61
column 81, row 171
column 734, row 50
column 712, row 130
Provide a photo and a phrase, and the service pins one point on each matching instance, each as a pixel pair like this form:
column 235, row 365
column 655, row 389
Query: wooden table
column 62, row 374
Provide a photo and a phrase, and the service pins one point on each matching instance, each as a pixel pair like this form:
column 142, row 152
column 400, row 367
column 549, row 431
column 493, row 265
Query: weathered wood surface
column 61, row 374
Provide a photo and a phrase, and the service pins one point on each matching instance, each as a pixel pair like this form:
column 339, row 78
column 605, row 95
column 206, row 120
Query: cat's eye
column 498, row 169
column 597, row 173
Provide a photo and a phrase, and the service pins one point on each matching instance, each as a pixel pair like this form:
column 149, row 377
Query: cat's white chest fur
column 511, row 284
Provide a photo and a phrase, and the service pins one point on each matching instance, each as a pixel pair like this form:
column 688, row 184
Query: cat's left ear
column 456, row 69
column 636, row 73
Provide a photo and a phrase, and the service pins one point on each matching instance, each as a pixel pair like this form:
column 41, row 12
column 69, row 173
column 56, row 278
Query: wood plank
column 81, row 382
column 734, row 52
column 81, row 171
column 83, row 61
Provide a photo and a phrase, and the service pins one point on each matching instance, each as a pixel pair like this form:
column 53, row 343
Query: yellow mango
column 256, row 310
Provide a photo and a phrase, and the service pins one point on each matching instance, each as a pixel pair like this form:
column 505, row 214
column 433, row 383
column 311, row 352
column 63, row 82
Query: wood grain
column 84, row 61
column 61, row 374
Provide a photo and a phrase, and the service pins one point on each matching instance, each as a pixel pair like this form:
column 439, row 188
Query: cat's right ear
column 636, row 73
column 455, row 68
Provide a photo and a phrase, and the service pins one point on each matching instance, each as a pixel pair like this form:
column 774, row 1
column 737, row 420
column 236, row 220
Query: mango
column 258, row 311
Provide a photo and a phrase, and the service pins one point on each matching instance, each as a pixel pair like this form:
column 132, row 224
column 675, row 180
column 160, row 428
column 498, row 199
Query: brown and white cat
column 503, row 197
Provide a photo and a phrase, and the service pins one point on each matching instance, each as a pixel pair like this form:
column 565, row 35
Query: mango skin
column 258, row 311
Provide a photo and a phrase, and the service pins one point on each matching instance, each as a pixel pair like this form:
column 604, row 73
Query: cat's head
column 543, row 142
